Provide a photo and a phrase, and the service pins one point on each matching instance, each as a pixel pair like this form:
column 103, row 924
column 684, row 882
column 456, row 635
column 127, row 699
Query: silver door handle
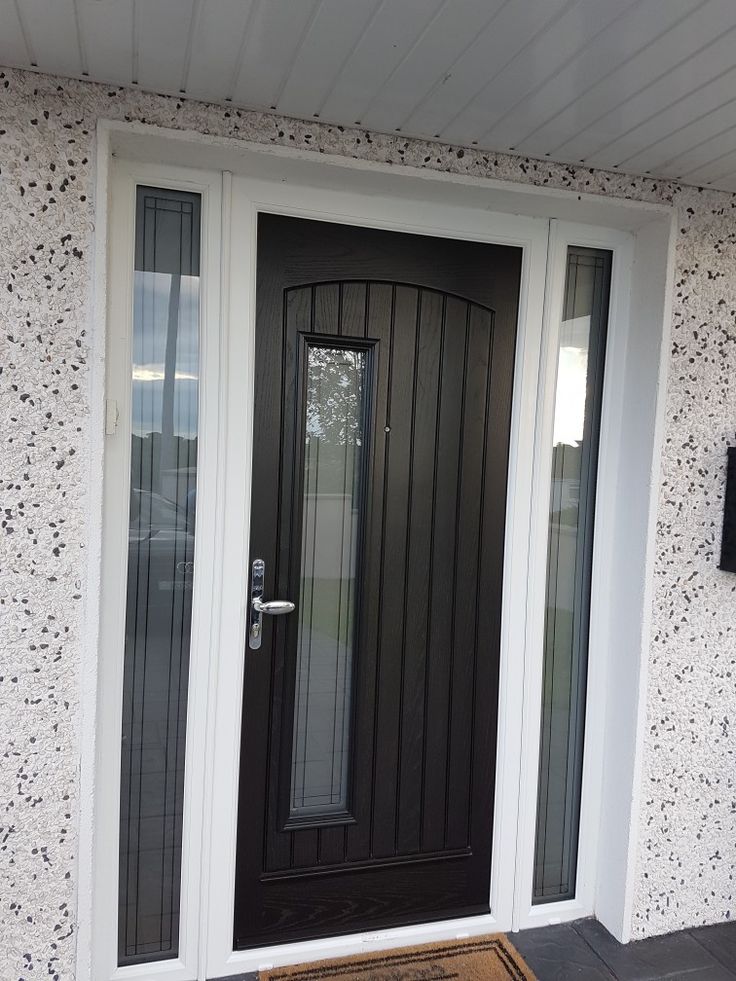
column 273, row 607
column 259, row 606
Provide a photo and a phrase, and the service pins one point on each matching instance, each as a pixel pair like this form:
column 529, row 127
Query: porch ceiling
column 645, row 86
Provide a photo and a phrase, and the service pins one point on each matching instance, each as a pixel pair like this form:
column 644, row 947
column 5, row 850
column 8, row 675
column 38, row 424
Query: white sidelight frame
column 116, row 497
column 237, row 180
column 621, row 245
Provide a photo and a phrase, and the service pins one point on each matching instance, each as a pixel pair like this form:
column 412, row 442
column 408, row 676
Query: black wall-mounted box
column 728, row 542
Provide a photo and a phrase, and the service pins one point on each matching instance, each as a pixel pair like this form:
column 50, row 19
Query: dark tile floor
column 585, row 950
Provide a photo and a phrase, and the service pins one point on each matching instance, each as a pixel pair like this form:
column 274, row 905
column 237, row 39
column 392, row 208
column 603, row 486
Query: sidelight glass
column 334, row 447
column 163, row 481
column 579, row 387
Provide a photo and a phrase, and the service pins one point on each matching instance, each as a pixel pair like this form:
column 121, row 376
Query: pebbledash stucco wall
column 47, row 174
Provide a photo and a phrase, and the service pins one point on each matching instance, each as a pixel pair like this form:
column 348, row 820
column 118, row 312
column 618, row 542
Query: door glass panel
column 165, row 379
column 570, row 551
column 331, row 505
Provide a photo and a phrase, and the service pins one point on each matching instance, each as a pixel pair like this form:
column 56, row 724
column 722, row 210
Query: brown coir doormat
column 490, row 958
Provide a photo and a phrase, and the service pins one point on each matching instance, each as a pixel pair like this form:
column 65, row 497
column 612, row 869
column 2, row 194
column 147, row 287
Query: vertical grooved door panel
column 384, row 371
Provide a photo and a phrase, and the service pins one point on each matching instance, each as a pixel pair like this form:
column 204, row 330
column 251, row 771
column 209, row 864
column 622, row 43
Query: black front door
column 384, row 369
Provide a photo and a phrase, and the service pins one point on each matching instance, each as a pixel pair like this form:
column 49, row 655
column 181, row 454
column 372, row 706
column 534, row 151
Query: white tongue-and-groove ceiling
column 642, row 86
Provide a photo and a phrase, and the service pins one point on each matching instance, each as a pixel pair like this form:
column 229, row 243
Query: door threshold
column 242, row 962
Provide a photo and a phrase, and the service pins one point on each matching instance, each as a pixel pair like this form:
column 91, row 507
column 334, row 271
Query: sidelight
column 333, row 451
column 580, row 364
column 163, row 469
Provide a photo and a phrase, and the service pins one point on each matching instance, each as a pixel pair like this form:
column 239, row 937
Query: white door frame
column 213, row 730
column 248, row 198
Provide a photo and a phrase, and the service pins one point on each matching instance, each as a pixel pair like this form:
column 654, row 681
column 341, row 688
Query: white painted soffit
column 644, row 86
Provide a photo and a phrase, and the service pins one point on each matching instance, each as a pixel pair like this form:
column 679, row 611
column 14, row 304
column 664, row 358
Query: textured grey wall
column 47, row 128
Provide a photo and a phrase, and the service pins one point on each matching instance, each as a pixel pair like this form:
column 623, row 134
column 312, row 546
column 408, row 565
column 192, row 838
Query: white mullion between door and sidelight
column 207, row 582
column 238, row 319
column 208, row 816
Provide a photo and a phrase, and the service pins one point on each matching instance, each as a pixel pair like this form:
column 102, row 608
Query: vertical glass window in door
column 579, row 389
column 334, row 445
column 163, row 488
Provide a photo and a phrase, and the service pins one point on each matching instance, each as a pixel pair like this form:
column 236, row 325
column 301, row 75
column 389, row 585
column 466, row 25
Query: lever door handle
column 259, row 606
column 274, row 608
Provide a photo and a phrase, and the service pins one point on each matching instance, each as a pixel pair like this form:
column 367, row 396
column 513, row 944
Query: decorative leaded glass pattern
column 165, row 381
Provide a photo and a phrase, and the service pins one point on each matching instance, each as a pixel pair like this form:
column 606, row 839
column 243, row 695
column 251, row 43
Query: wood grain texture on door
column 408, row 341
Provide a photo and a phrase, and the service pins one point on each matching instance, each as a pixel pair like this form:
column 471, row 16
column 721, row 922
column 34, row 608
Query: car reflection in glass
column 161, row 561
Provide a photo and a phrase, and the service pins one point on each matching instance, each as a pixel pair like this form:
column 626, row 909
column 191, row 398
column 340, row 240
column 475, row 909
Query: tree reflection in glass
column 333, row 461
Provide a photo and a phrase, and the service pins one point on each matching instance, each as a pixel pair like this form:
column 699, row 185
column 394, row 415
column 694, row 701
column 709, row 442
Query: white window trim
column 409, row 200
